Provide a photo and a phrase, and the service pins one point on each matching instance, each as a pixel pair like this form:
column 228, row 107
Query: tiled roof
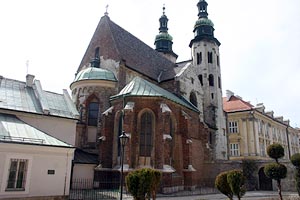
column 15, row 95
column 235, row 104
column 82, row 157
column 13, row 130
column 118, row 44
column 141, row 87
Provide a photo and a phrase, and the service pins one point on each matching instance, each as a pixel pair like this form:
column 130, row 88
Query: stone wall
column 39, row 198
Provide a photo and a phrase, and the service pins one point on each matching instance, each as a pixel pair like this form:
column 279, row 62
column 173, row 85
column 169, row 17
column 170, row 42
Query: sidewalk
column 251, row 195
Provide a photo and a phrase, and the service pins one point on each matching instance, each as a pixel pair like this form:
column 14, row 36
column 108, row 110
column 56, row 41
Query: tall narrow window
column 97, row 52
column 200, row 77
column 210, row 57
column 219, row 82
column 218, row 60
column 146, row 135
column 93, row 114
column 199, row 58
column 211, row 80
column 193, row 99
column 17, row 174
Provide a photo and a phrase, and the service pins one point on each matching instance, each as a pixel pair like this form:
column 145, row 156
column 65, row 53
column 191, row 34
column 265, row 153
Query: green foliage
column 236, row 181
column 143, row 183
column 222, row 185
column 275, row 171
column 275, row 151
column 295, row 159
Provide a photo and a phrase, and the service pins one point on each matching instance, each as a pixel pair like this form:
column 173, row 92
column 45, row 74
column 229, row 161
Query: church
column 172, row 112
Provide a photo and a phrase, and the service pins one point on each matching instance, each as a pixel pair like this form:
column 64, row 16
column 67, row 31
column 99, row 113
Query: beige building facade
column 251, row 129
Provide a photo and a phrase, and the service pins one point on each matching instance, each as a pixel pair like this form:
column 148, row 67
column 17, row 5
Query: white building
column 37, row 131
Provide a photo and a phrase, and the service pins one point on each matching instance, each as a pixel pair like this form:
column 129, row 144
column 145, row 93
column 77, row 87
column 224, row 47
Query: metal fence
column 88, row 189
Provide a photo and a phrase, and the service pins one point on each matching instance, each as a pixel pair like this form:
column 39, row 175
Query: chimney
column 229, row 94
column 29, row 80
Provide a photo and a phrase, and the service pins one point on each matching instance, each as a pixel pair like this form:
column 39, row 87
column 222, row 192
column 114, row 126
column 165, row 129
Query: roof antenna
column 27, row 66
column 106, row 13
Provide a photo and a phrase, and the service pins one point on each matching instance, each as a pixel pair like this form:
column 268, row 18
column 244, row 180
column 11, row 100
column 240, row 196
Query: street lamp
column 123, row 140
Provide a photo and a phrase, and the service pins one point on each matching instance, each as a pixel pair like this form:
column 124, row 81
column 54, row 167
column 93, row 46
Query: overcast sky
column 260, row 40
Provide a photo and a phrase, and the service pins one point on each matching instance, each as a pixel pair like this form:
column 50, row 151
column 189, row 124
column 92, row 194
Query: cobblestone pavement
column 252, row 195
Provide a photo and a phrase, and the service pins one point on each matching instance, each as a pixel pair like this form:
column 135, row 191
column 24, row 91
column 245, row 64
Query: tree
column 276, row 170
column 223, row 186
column 143, row 183
column 295, row 159
column 236, row 181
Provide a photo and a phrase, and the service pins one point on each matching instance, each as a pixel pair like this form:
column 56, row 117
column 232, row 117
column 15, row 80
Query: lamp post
column 123, row 140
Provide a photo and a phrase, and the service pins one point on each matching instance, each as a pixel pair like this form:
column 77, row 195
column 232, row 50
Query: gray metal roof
column 141, row 87
column 15, row 95
column 13, row 130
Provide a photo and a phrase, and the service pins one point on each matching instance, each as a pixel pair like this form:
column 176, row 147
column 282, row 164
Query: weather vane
column 106, row 13
column 164, row 8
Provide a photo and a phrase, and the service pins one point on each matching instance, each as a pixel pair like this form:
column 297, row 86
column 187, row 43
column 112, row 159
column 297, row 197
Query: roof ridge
column 110, row 30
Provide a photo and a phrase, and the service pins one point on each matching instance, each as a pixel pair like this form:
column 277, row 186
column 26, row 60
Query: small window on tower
column 210, row 57
column 201, row 79
column 219, row 82
column 211, row 80
column 218, row 61
column 199, row 58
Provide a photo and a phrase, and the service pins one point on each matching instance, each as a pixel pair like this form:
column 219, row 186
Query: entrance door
column 265, row 183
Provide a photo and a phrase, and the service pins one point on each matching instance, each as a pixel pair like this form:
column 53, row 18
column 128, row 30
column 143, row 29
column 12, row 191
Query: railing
column 88, row 189
column 21, row 139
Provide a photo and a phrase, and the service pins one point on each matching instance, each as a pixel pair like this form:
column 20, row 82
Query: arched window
column 93, row 111
column 211, row 80
column 146, row 135
column 193, row 99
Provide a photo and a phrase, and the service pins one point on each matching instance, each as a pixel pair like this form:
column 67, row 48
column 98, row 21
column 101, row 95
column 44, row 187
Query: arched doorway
column 265, row 183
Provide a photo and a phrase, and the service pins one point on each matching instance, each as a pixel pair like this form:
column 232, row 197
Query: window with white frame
column 17, row 174
column 262, row 149
column 234, row 149
column 233, row 127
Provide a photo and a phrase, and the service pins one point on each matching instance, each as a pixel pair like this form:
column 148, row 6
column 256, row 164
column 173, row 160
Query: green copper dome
column 92, row 73
column 163, row 36
column 204, row 21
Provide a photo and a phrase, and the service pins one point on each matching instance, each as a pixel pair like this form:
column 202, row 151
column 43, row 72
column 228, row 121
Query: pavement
column 251, row 195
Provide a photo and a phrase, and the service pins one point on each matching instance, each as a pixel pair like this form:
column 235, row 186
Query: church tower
column 206, row 59
column 163, row 41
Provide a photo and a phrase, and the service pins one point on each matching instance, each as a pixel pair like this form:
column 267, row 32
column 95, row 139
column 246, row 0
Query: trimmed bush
column 143, row 183
column 275, row 151
column 223, row 186
column 236, row 181
column 275, row 171
column 295, row 159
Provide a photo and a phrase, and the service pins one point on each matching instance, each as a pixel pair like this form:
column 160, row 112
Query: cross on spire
column 106, row 8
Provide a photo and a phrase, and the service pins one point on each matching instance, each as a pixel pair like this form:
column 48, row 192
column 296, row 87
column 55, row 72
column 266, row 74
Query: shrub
column 143, row 183
column 295, row 159
column 236, row 181
column 223, row 186
column 275, row 151
column 275, row 171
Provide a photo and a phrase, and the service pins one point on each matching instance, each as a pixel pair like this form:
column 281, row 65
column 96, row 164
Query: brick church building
column 172, row 112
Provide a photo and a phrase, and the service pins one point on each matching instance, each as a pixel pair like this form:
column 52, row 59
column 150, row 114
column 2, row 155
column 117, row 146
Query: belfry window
column 210, row 57
column 211, row 80
column 199, row 58
column 146, row 135
column 93, row 111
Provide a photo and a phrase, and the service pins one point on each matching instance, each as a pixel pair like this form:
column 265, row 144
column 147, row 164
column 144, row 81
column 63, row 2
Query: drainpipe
column 288, row 141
